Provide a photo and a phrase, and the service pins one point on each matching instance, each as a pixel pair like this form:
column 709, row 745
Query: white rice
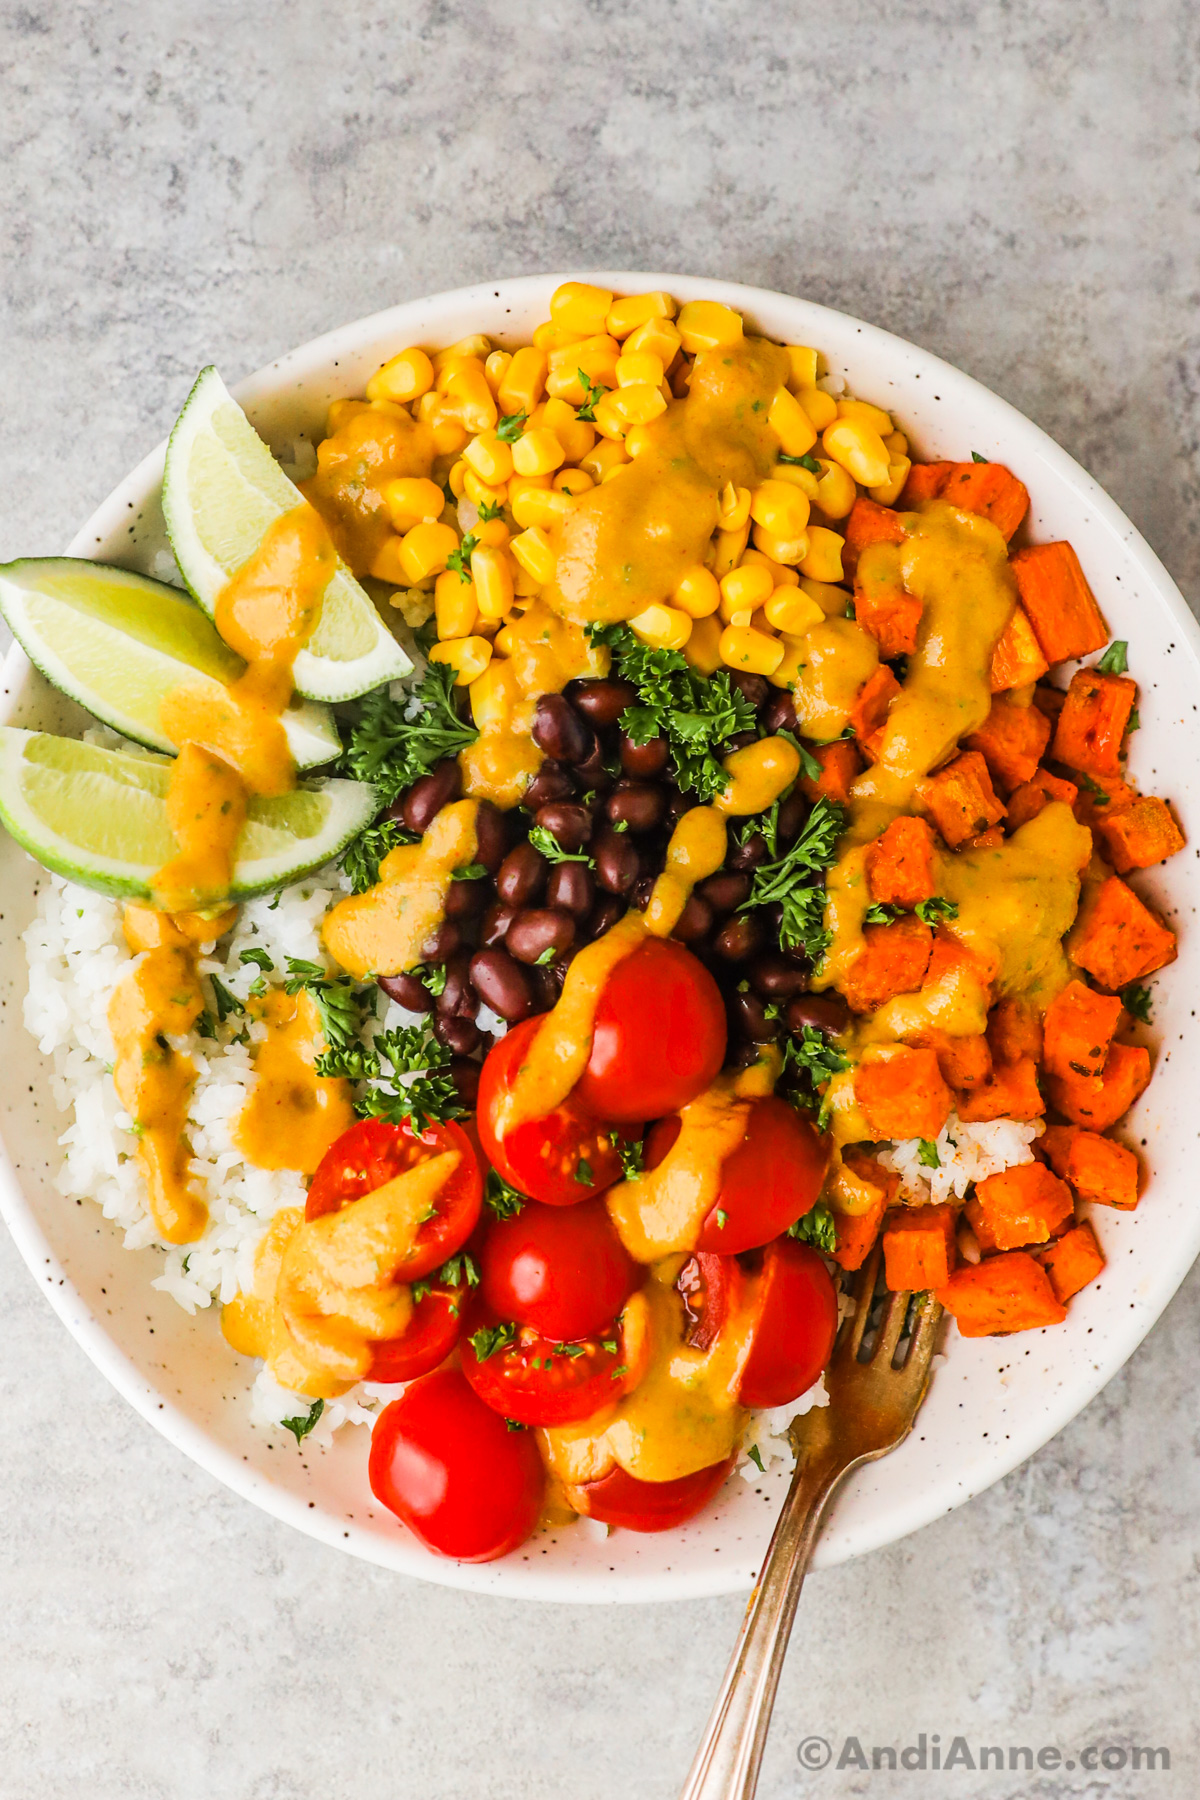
column 966, row 1153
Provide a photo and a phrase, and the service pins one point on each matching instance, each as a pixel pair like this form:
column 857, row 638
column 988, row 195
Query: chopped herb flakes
column 817, row 1228
column 300, row 1427
column 1115, row 660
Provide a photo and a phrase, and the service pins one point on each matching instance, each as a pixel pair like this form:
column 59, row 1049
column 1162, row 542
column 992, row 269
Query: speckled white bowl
column 993, row 1402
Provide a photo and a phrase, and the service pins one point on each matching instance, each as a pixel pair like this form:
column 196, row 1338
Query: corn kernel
column 781, row 575
column 549, row 336
column 873, row 417
column 535, row 553
column 428, row 406
column 524, row 381
column 490, row 457
column 889, row 491
column 537, row 452
column 448, row 363
column 781, row 550
column 573, row 481
column 626, row 315
column 595, row 358
column 476, row 346
column 858, row 449
column 457, row 478
column 609, row 453
column 391, row 409
column 742, row 616
column 707, row 324
column 728, row 549
column 412, row 499
column 468, row 394
column 824, row 559
column 820, row 407
column 526, row 585
column 895, row 443
column 611, row 474
column 624, row 407
column 832, row 600
column 424, row 549
column 791, row 611
column 803, row 367
column 747, row 586
column 449, row 434
column 836, row 492
column 662, row 627
column 340, row 413
column 405, row 377
column 468, row 657
column 491, row 574
column 697, row 592
column 454, row 605
column 575, row 435
column 638, row 366
column 733, row 507
column 795, row 658
column 545, row 507
column 578, row 306
column 495, row 692
column 481, row 493
column 791, row 424
column 781, row 508
column 496, row 368
column 742, row 647
column 703, row 648
column 521, row 484
column 797, row 476
column 492, row 531
column 387, row 564
column 657, row 337
column 637, row 439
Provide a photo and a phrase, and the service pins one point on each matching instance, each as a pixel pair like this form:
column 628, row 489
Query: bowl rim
column 510, row 1578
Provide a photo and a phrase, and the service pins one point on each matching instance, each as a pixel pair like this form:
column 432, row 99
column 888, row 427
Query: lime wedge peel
column 117, row 643
column 222, row 488
column 98, row 817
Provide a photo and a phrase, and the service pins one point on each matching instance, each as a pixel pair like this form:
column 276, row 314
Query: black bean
column 407, row 991
column 458, row 998
column 792, row 814
column 776, row 978
column 466, row 898
column 677, row 805
column 491, row 836
column 465, row 1075
column 824, row 1012
column 557, row 970
column 552, row 782
column 748, row 1017
column 754, row 688
column 570, row 886
column 618, row 864
column 745, row 1055
column 637, row 804
column 642, row 891
column 643, row 761
column 601, row 702
column 460, row 1036
column 545, row 993
column 739, row 938
column 748, row 855
column 442, row 942
column 560, row 731
column 427, row 797
column 521, row 877
column 726, row 890
column 694, row 922
column 568, row 822
column 603, row 916
column 780, row 713
column 496, row 921
column 502, row 984
column 537, row 930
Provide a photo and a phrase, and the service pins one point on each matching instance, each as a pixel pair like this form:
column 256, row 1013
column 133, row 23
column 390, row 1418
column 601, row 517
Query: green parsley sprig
column 361, row 858
column 391, row 750
column 796, row 881
column 817, row 1228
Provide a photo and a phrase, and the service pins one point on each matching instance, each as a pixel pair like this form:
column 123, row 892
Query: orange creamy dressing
column 375, row 442
column 293, row 1115
column 382, row 931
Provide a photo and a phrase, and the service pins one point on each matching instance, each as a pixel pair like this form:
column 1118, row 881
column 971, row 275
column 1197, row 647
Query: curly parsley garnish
column 545, row 842
column 510, row 427
column 1115, row 660
column 361, row 859
column 504, row 1200
column 936, row 908
column 300, row 1427
column 630, row 1151
column 592, row 391
column 796, row 882
column 391, row 750
column 460, row 560
column 491, row 1338
column 817, row 1228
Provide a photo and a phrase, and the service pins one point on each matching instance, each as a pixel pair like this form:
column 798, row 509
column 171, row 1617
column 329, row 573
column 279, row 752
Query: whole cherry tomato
column 373, row 1153
column 659, row 1037
column 543, row 1380
column 452, row 1471
column 559, row 1159
column 430, row 1335
column 768, row 1182
column 795, row 1322
column 621, row 1499
column 561, row 1269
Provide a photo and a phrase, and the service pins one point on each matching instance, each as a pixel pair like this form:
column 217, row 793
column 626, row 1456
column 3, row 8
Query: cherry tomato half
column 561, row 1269
column 373, row 1153
column 659, row 1037
column 621, row 1499
column 767, row 1183
column 428, row 1338
column 712, row 1287
column 542, row 1380
column 559, row 1159
column 796, row 1319
column 452, row 1471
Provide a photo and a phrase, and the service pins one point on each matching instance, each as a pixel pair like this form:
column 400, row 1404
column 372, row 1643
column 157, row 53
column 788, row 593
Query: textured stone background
column 1013, row 185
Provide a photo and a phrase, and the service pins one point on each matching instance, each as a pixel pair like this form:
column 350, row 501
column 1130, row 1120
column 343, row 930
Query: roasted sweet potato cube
column 1117, row 938
column 1022, row 1205
column 1093, row 721
column 1017, row 659
column 893, row 961
column 1014, row 1031
column 1001, row 1294
column 1061, row 606
column 988, row 489
column 1098, row 1101
column 1079, row 1028
column 874, row 697
column 918, row 1247
column 960, row 799
column 1098, row 796
column 887, row 611
column 1027, row 801
column 840, row 765
column 925, row 482
column 1097, row 1168
column 903, row 1095
column 900, row 863
column 1010, row 1092
column 1072, row 1261
column 856, row 1232
column 869, row 523
column 1139, row 835
column 1011, row 741
column 965, row 1062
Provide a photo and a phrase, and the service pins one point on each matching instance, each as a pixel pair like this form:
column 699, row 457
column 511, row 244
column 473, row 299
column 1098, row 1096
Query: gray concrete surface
column 1012, row 185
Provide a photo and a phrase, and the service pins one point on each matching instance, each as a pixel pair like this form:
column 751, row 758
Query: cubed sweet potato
column 965, row 1062
column 1022, row 1205
column 1139, row 835
column 1061, row 606
column 871, row 707
column 1079, row 1029
column 1014, row 1031
column 1091, row 726
column 1072, row 1261
column 903, row 1095
column 840, row 765
column 856, row 1232
column 925, row 482
column 1098, row 796
column 1098, row 1101
column 900, row 863
column 1017, row 659
column 960, row 798
column 884, row 607
column 990, row 489
column 893, row 961
column 869, row 523
column 1004, row 1293
column 918, row 1247
column 1011, row 741
column 1027, row 801
column 1010, row 1092
column 1117, row 938
column 1097, row 1168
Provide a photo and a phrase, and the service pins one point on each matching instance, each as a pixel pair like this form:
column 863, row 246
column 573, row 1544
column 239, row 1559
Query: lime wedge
column 118, row 643
column 99, row 817
column 221, row 490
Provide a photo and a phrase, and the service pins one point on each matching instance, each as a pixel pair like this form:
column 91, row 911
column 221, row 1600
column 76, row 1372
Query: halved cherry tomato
column 621, row 1499
column 559, row 1159
column 561, row 1269
column 767, row 1183
column 427, row 1340
column 543, row 1380
column 796, row 1318
column 452, row 1471
column 373, row 1153
column 713, row 1287
column 659, row 1037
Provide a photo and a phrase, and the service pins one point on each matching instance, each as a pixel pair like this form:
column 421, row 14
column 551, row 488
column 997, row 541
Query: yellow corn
column 490, row 457
column 662, row 627
column 468, row 657
column 549, row 336
column 744, row 588
column 535, row 553
column 491, row 574
column 895, row 443
column 705, row 324
column 795, row 657
column 521, row 484
column 496, row 368
column 577, row 306
column 524, row 381
column 595, row 356
column 697, row 592
column 427, row 407
column 832, row 600
column 703, row 648
column 791, row 611
column 467, row 391
column 424, row 550
column 803, row 367
column 791, row 424
column 496, row 692
column 611, row 474
column 391, row 409
column 733, row 507
column 412, row 499
column 525, row 585
column 781, row 575
column 657, row 337
column 537, row 452
column 781, row 550
column 387, row 564
column 889, row 491
column 858, row 449
column 624, row 407
column 781, row 508
column 405, row 377
column 340, row 413
column 836, row 492
column 481, row 493
column 742, row 616
column 626, row 315
column 798, row 477
column 448, row 363
column 637, row 439
column 449, row 434
column 742, row 647
column 546, row 507
column 728, row 549
column 820, row 407
column 458, row 478
column 873, row 417
column 575, row 435
column 492, row 531
column 638, row 366
column 476, row 345
column 573, row 481
column 824, row 559
column 454, row 605
column 609, row 453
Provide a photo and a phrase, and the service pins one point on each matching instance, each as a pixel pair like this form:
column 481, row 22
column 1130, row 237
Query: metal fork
column 871, row 1409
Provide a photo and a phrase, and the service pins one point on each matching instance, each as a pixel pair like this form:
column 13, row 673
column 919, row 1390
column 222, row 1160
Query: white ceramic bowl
column 993, row 1402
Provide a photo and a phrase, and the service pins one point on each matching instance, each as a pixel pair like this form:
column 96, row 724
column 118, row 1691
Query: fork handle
column 726, row 1764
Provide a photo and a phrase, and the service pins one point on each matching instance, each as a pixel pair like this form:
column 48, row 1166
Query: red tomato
column 712, row 1287
column 796, row 1318
column 561, row 1269
column 770, row 1180
column 372, row 1153
column 558, row 1160
column 452, row 1471
column 542, row 1380
column 428, row 1339
column 621, row 1499
column 659, row 1037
